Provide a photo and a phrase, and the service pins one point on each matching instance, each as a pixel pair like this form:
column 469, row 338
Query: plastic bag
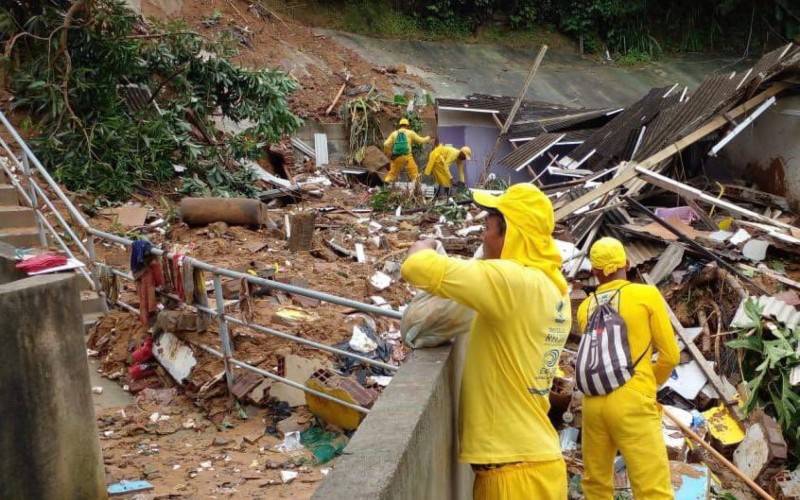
column 431, row 321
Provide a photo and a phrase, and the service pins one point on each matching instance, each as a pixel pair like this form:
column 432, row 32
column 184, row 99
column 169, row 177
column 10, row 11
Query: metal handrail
column 216, row 272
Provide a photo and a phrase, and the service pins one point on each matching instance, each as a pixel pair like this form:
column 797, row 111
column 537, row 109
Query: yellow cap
column 403, row 121
column 529, row 219
column 467, row 152
column 608, row 255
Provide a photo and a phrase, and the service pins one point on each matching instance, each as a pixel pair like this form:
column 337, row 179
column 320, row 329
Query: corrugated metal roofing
column 771, row 308
column 638, row 251
column 611, row 140
column 529, row 151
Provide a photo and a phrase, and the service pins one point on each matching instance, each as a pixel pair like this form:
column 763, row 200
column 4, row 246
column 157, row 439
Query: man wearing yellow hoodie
column 439, row 162
column 522, row 321
column 627, row 419
column 398, row 147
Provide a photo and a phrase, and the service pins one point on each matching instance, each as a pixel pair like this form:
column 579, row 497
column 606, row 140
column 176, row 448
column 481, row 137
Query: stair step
column 8, row 195
column 25, row 237
column 91, row 302
column 89, row 320
column 16, row 217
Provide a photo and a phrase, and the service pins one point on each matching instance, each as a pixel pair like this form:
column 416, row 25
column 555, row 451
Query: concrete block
column 48, row 439
column 15, row 217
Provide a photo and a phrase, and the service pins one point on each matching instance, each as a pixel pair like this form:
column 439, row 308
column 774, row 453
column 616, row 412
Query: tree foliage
column 767, row 357
column 638, row 27
column 71, row 65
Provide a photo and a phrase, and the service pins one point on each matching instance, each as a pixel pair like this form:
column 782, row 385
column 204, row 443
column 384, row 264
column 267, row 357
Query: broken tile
column 297, row 369
column 740, row 237
column 131, row 216
column 755, row 250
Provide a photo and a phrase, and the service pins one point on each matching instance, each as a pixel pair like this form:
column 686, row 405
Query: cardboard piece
column 131, row 216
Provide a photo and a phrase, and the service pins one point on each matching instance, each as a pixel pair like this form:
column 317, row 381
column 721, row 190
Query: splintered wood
column 302, row 235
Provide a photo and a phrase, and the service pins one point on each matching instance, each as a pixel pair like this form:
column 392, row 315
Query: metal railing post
column 26, row 171
column 224, row 337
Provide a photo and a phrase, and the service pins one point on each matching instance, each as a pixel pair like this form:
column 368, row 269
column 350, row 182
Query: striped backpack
column 604, row 355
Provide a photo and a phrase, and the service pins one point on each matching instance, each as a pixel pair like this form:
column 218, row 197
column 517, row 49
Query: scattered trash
column 97, row 390
column 380, row 281
column 125, row 487
column 291, row 442
column 361, row 342
column 287, row 476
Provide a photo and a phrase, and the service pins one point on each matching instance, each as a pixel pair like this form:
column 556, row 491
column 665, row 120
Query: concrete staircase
column 17, row 223
column 18, row 228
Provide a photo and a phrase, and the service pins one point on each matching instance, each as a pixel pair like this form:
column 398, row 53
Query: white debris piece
column 380, row 380
column 361, row 342
column 720, row 236
column 374, row 226
column 380, row 281
column 468, row 230
column 687, row 380
column 97, row 390
column 205, row 465
column 360, row 255
column 740, row 237
column 755, row 250
column 154, row 417
column 378, row 300
column 291, row 442
column 398, row 211
column 287, row 476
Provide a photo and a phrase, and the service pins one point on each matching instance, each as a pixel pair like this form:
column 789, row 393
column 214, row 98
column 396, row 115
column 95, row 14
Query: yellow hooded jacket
column 522, row 322
column 439, row 162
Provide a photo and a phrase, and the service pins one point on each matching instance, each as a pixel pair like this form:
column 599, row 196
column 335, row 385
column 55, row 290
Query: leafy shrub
column 74, row 84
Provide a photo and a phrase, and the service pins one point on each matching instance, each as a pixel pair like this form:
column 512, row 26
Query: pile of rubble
column 723, row 255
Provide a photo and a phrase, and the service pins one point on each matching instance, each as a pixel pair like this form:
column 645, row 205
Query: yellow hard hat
column 403, row 121
column 467, row 152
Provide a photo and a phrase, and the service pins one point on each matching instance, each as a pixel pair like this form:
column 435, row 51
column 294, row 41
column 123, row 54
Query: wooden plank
column 689, row 192
column 514, row 109
column 676, row 147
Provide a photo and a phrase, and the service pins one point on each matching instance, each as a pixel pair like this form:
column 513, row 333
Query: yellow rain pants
column 629, row 422
column 396, row 166
column 523, row 481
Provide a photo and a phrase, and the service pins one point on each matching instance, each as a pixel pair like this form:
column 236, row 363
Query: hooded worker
column 398, row 148
column 627, row 419
column 439, row 162
column 522, row 321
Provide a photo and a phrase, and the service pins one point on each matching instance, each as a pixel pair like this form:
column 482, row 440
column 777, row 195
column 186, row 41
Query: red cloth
column 41, row 262
column 146, row 283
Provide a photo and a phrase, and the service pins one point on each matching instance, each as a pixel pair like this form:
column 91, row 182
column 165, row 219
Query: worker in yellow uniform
column 439, row 162
column 522, row 322
column 627, row 419
column 398, row 147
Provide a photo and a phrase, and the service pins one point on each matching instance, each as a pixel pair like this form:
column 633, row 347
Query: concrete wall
column 768, row 152
column 406, row 447
column 48, row 437
column 8, row 270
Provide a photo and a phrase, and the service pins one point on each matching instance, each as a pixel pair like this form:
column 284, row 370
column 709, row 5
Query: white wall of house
column 768, row 152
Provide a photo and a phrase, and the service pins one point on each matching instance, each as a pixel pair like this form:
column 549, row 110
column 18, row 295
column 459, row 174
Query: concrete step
column 89, row 320
column 20, row 237
column 91, row 302
column 16, row 217
column 8, row 195
column 3, row 177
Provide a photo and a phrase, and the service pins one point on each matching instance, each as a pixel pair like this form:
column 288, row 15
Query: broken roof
column 525, row 154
